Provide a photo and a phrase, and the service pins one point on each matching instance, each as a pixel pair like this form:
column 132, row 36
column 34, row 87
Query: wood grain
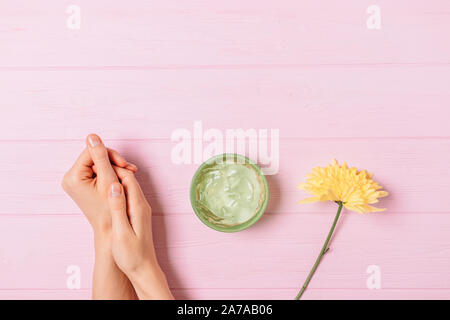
column 320, row 102
column 412, row 170
column 243, row 293
column 135, row 72
column 202, row 33
column 197, row 257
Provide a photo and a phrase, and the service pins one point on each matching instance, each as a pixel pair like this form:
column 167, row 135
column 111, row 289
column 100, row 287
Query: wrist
column 102, row 244
column 150, row 283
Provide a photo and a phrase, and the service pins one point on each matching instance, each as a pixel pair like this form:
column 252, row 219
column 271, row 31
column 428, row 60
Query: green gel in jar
column 229, row 192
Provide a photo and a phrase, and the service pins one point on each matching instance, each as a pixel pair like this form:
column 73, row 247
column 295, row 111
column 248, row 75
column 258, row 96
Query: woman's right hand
column 132, row 240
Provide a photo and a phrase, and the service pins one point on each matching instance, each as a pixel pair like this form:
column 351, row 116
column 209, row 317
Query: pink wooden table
column 331, row 82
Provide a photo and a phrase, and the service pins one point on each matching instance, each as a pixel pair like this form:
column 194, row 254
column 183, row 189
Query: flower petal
column 354, row 188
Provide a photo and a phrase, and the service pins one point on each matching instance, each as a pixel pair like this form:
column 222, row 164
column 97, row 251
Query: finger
column 118, row 207
column 137, row 204
column 81, row 169
column 130, row 168
column 84, row 160
column 120, row 161
column 129, row 182
column 116, row 158
column 100, row 157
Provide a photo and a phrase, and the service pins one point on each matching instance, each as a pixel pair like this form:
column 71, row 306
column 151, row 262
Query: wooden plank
column 236, row 294
column 313, row 293
column 318, row 102
column 412, row 170
column 412, row 252
column 45, row 294
column 200, row 32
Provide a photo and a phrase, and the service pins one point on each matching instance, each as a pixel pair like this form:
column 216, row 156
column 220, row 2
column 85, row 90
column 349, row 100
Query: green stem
column 322, row 252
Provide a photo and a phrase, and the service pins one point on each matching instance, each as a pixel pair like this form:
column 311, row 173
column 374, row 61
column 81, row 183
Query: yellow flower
column 355, row 189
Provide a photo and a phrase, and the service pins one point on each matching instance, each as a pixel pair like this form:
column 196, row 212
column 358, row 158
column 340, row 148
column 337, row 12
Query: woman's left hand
column 88, row 180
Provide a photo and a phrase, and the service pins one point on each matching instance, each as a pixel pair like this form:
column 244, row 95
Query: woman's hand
column 89, row 189
column 87, row 183
column 132, row 240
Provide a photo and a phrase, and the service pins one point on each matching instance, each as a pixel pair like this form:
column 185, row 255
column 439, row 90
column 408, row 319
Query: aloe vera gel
column 229, row 191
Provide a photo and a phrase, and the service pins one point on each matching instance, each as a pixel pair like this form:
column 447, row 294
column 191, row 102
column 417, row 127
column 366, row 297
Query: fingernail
column 131, row 166
column 115, row 190
column 94, row 141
